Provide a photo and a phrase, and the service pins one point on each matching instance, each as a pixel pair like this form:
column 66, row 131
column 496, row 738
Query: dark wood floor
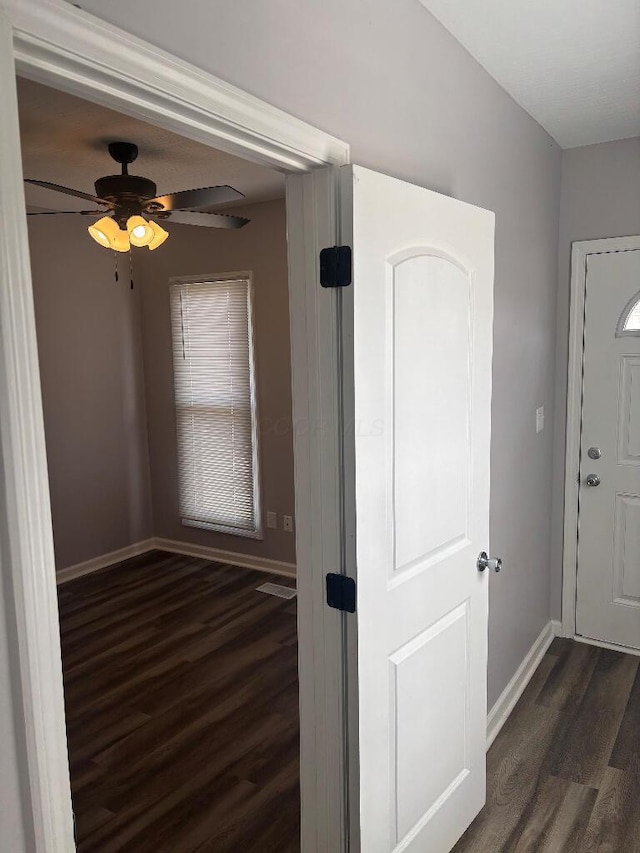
column 564, row 773
column 182, row 715
column 182, row 709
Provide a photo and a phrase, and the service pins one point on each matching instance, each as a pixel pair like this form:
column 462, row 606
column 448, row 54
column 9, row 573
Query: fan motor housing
column 120, row 189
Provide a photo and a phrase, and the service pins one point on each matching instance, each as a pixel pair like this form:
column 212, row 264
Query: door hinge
column 341, row 592
column 335, row 266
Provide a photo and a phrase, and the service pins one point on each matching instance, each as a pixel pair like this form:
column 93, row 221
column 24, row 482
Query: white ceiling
column 64, row 140
column 574, row 65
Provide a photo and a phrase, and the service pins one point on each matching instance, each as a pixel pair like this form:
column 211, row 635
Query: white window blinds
column 216, row 404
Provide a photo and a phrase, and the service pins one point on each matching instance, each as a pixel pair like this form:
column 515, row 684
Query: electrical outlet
column 272, row 519
column 540, row 419
column 287, row 523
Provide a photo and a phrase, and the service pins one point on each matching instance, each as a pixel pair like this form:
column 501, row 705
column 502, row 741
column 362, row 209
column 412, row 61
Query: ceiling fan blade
column 211, row 220
column 67, row 191
column 65, row 212
column 197, row 199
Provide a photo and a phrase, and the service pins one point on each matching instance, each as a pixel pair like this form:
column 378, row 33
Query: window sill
column 221, row 528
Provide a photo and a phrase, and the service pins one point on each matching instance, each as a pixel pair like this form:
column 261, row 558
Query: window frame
column 258, row 532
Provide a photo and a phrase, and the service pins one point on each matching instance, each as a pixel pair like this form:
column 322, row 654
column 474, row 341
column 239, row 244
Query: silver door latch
column 485, row 562
column 592, row 480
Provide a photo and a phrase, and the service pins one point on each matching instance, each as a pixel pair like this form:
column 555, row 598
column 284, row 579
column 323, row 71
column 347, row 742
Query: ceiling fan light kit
column 124, row 198
column 138, row 233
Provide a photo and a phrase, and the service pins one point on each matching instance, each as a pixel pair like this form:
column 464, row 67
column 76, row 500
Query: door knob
column 592, row 480
column 485, row 562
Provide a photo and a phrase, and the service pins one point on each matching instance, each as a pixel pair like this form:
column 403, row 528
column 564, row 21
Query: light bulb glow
column 103, row 231
column 100, row 236
column 140, row 231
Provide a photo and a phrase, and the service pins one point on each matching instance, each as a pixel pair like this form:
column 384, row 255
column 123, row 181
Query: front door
column 417, row 343
column 608, row 591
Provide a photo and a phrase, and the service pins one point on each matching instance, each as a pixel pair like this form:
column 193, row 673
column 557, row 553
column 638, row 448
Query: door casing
column 580, row 251
column 55, row 43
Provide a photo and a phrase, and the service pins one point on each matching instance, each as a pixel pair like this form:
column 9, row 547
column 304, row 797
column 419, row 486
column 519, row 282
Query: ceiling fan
column 131, row 210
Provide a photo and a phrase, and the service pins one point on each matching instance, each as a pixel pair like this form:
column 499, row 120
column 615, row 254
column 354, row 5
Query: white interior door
column 608, row 592
column 417, row 356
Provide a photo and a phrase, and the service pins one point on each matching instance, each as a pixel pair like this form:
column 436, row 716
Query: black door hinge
column 335, row 266
column 341, row 592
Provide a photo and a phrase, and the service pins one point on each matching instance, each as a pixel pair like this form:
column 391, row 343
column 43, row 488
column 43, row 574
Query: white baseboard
column 104, row 560
column 247, row 561
column 259, row 564
column 499, row 714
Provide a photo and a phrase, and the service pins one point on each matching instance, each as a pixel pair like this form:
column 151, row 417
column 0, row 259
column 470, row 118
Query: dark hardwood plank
column 516, row 768
column 559, row 645
column 627, row 745
column 615, row 822
column 569, row 679
column 510, row 739
column 90, row 736
column 583, row 753
column 90, row 820
column 182, row 708
column 558, row 818
column 555, row 781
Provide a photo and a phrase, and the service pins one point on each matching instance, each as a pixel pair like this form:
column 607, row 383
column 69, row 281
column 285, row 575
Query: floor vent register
column 277, row 589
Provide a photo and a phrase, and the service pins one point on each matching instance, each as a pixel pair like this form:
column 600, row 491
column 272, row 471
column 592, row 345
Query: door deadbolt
column 594, row 453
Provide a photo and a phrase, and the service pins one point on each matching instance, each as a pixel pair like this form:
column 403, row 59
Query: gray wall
column 107, row 381
column 391, row 81
column 600, row 198
column 90, row 357
column 261, row 247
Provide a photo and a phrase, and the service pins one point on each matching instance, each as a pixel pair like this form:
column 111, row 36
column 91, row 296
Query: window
column 215, row 392
column 629, row 322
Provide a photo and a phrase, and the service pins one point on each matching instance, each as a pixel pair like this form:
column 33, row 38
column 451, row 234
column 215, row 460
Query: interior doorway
column 76, row 53
column 601, row 570
column 166, row 391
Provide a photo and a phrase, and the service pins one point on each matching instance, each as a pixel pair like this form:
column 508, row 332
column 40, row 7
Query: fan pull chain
column 115, row 259
column 131, row 269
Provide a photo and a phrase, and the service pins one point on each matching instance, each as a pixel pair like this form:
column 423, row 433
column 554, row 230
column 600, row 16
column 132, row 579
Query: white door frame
column 55, row 43
column 580, row 252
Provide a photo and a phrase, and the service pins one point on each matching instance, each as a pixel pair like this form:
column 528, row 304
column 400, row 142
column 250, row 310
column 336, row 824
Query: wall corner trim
column 556, row 625
column 506, row 702
column 186, row 549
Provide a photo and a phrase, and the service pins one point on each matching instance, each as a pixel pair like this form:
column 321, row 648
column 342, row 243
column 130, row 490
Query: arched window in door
column 629, row 322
